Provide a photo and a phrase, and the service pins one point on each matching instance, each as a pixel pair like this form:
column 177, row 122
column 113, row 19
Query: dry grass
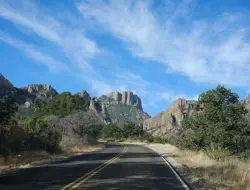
column 205, row 173
column 24, row 160
column 84, row 148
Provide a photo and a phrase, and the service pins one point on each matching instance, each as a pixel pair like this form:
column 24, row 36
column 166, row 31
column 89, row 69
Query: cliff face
column 41, row 90
column 38, row 95
column 28, row 98
column 170, row 119
column 127, row 98
column 119, row 108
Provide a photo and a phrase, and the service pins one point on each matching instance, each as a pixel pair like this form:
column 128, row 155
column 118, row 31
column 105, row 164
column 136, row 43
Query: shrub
column 160, row 140
column 63, row 104
column 219, row 120
column 112, row 131
column 148, row 137
column 10, row 133
column 40, row 136
column 121, row 131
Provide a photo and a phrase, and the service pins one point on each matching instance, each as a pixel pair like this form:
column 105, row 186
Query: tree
column 63, row 104
column 219, row 121
column 9, row 131
column 112, row 131
column 7, row 110
column 40, row 136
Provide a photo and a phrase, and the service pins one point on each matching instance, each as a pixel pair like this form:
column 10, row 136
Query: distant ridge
column 5, row 82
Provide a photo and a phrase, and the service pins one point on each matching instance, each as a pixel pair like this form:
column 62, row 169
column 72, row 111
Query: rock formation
column 170, row 119
column 119, row 108
column 115, row 107
column 35, row 95
column 127, row 98
column 43, row 91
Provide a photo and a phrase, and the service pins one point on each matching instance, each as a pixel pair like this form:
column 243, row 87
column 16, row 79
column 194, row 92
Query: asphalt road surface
column 115, row 167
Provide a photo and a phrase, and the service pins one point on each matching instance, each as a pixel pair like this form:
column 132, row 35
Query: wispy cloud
column 215, row 51
column 141, row 31
column 34, row 53
column 72, row 41
column 27, row 17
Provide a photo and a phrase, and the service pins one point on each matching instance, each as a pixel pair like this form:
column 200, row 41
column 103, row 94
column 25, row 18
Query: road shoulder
column 30, row 159
column 176, row 167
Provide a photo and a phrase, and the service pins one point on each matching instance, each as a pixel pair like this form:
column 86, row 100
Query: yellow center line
column 75, row 184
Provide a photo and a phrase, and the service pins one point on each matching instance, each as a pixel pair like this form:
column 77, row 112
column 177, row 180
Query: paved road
column 115, row 167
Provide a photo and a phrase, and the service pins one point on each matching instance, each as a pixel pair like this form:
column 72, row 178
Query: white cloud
column 137, row 26
column 72, row 41
column 34, row 53
column 215, row 51
column 29, row 20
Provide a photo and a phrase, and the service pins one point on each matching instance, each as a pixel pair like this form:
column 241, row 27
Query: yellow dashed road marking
column 75, row 184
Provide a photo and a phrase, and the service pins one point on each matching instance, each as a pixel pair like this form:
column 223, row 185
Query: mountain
column 119, row 108
column 170, row 119
column 127, row 98
column 31, row 96
column 76, row 117
column 115, row 107
column 4, row 83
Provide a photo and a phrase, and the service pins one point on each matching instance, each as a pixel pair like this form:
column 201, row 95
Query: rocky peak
column 4, row 82
column 126, row 97
column 85, row 95
column 117, row 96
column 168, row 120
column 41, row 90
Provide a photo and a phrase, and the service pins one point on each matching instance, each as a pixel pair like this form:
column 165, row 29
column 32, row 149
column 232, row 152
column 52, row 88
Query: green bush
column 160, row 140
column 148, row 137
column 7, row 110
column 10, row 133
column 40, row 136
column 112, row 131
column 63, row 104
column 131, row 131
column 219, row 120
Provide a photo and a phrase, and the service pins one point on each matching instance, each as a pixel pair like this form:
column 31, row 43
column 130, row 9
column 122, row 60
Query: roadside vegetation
column 205, row 173
column 126, row 132
column 33, row 134
column 213, row 144
column 218, row 126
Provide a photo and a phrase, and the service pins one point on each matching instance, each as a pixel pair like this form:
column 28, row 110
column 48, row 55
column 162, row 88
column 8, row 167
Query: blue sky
column 159, row 49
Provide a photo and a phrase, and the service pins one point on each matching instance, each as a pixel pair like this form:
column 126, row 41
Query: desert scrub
column 204, row 172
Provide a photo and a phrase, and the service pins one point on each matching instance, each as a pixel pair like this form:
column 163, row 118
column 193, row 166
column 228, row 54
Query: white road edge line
column 176, row 174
